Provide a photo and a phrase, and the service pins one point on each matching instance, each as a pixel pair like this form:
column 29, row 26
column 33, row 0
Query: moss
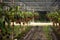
column 47, row 31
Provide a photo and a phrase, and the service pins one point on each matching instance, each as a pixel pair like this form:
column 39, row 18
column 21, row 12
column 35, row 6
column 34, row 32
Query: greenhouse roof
column 36, row 5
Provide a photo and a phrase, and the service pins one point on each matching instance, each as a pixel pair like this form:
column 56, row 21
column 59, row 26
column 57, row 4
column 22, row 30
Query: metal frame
column 36, row 5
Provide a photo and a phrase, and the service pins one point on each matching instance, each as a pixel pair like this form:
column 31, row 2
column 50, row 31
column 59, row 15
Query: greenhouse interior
column 29, row 19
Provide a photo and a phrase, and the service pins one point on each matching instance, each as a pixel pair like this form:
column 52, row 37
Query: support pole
column 33, row 17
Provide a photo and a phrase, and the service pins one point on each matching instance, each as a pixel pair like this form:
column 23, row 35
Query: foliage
column 10, row 14
column 47, row 31
column 20, row 32
column 55, row 18
column 52, row 15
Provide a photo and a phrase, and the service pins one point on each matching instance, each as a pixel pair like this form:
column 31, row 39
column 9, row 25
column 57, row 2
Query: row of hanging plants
column 55, row 18
column 12, row 14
